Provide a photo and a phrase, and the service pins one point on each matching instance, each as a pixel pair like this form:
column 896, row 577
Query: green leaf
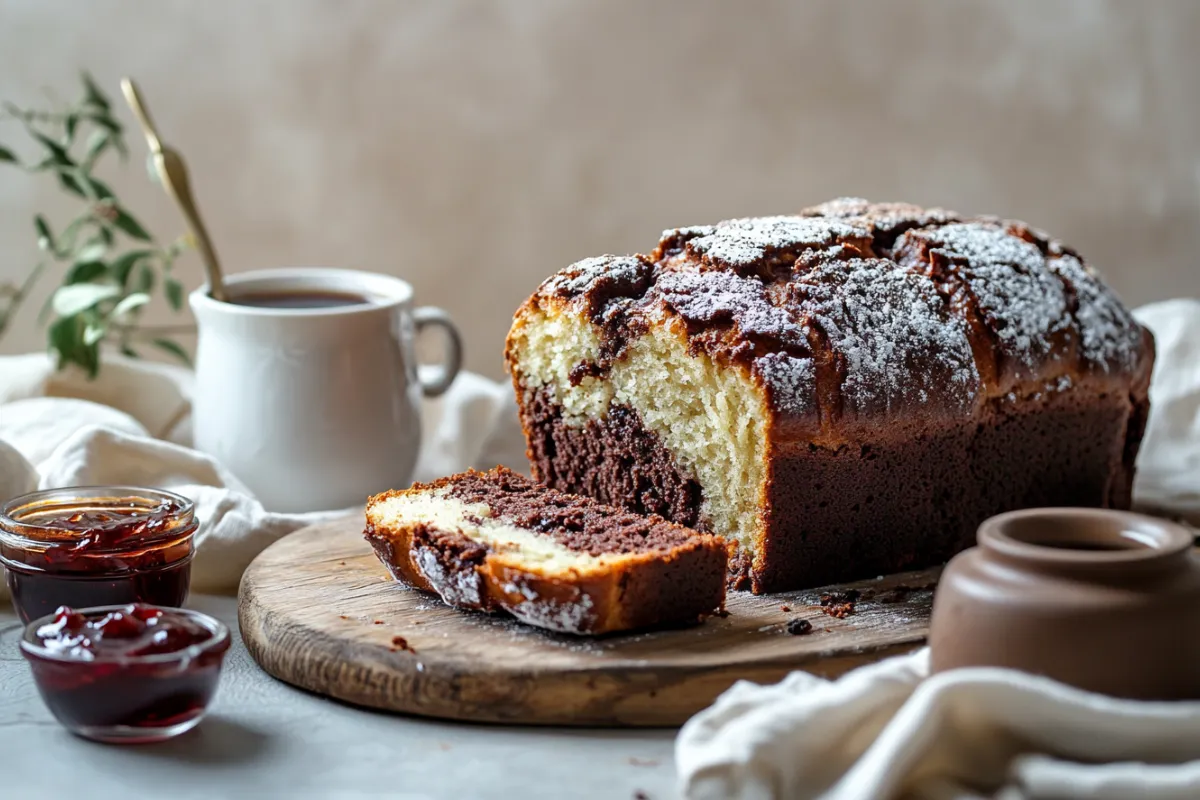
column 98, row 141
column 71, row 300
column 45, row 237
column 92, row 251
column 85, row 272
column 94, row 188
column 174, row 349
column 106, row 236
column 7, row 155
column 129, row 351
column 123, row 265
column 174, row 291
column 70, row 235
column 131, row 226
column 92, row 94
column 93, row 332
column 80, row 183
column 65, row 338
column 107, row 122
column 130, row 303
column 70, row 125
column 143, row 281
column 69, row 183
column 58, row 154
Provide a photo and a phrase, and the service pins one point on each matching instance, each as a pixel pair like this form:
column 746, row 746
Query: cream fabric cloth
column 1168, row 476
column 885, row 731
column 131, row 426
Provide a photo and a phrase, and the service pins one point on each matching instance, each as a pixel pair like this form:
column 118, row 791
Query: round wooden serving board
column 319, row 611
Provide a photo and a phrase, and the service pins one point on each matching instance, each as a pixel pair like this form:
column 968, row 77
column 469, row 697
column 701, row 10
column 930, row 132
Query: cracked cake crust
column 864, row 334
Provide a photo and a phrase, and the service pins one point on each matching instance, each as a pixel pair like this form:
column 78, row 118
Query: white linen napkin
column 885, row 731
column 889, row 731
column 1168, row 467
column 131, row 426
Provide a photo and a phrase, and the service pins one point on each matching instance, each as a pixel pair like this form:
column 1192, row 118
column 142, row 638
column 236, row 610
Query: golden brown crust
column 658, row 585
column 861, row 320
column 873, row 330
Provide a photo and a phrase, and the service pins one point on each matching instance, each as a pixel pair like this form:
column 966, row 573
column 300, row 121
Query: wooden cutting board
column 319, row 611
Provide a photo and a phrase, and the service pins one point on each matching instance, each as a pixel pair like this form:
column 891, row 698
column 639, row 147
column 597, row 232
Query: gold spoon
column 173, row 174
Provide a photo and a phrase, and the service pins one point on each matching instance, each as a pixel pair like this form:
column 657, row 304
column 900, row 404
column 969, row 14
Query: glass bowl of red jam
column 96, row 546
column 129, row 674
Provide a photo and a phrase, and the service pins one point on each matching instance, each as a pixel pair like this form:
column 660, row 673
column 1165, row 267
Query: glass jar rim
column 219, row 639
column 20, row 532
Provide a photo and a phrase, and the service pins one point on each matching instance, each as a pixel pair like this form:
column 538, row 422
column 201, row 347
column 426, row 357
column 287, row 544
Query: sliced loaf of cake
column 496, row 541
column 842, row 394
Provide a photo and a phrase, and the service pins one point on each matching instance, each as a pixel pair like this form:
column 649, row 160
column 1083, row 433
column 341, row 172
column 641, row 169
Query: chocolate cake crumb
column 840, row 604
column 400, row 643
column 785, row 608
column 838, row 610
column 378, row 622
column 342, row 616
column 799, row 627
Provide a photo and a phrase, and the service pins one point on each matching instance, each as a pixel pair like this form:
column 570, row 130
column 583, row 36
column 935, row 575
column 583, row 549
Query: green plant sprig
column 110, row 264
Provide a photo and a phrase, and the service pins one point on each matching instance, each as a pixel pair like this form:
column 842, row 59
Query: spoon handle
column 173, row 174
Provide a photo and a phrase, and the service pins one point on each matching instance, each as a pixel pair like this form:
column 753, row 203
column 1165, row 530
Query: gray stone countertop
column 263, row 738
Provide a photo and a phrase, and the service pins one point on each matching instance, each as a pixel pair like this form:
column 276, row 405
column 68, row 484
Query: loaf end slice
column 495, row 541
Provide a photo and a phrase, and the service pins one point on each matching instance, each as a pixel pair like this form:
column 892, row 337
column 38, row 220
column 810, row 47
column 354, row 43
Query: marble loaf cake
column 495, row 541
column 843, row 393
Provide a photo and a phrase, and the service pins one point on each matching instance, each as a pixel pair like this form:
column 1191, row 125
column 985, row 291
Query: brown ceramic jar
column 1108, row 601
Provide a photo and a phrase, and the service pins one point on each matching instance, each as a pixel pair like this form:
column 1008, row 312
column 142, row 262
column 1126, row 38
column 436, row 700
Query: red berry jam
column 96, row 546
column 132, row 673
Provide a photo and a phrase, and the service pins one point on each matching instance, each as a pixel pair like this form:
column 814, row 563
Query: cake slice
column 496, row 541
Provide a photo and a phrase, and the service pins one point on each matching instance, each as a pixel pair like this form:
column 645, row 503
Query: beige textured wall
column 475, row 147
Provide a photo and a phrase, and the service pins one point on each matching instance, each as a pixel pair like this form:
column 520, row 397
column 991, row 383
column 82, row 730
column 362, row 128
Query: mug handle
column 435, row 379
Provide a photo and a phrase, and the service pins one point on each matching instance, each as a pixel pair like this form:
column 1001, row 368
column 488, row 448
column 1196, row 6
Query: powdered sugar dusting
column 898, row 340
column 791, row 382
column 582, row 275
column 461, row 587
column 680, row 235
column 747, row 242
column 1109, row 337
column 726, row 297
column 556, row 615
column 1022, row 302
column 884, row 219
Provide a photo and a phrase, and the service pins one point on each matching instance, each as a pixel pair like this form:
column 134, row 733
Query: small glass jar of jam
column 126, row 674
column 95, row 546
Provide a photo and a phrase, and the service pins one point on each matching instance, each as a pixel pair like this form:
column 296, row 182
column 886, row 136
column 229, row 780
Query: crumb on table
column 840, row 604
column 799, row 627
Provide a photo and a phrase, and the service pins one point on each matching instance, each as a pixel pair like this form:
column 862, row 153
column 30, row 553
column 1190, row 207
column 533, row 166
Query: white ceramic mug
column 316, row 408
